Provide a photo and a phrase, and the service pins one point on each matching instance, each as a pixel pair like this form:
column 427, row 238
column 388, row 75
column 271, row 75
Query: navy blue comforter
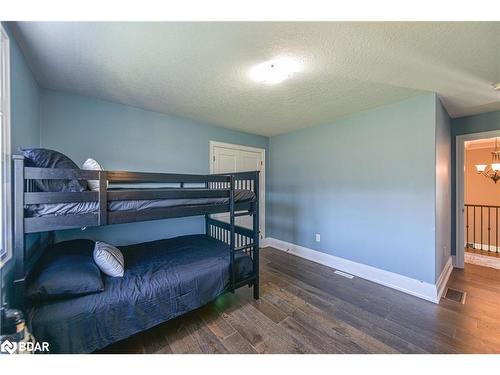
column 163, row 279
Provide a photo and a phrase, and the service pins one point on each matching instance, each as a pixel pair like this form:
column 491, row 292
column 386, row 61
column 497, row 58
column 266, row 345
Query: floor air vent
column 455, row 295
column 343, row 274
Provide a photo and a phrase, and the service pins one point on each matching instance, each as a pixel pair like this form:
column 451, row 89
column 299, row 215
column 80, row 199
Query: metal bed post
column 103, row 198
column 231, row 235
column 207, row 224
column 256, row 236
column 19, row 246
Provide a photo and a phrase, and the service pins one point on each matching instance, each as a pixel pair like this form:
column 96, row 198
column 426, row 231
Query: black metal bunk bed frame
column 215, row 186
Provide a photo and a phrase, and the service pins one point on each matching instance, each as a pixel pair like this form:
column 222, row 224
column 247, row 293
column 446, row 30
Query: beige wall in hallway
column 480, row 190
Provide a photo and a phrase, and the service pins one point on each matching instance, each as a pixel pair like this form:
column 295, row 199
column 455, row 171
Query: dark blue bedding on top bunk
column 163, row 279
column 78, row 208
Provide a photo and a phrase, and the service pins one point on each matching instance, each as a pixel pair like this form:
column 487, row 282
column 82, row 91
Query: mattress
column 163, row 279
column 58, row 209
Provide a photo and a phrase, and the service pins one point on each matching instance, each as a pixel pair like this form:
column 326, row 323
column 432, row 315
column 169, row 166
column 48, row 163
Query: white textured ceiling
column 200, row 70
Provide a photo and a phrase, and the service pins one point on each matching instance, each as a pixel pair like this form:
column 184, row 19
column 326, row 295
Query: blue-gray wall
column 467, row 125
column 25, row 123
column 443, row 187
column 126, row 138
column 24, row 101
column 25, row 110
column 366, row 183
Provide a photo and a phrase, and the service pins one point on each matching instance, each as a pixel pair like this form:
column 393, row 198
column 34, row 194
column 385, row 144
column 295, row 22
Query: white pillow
column 91, row 164
column 109, row 259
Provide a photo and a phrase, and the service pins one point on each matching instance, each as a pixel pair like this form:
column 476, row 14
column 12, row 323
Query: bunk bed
column 223, row 258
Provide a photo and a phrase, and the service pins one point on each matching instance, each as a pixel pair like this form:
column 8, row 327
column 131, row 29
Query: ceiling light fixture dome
column 275, row 71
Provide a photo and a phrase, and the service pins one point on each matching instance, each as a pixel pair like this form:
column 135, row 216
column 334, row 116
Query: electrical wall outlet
column 318, row 237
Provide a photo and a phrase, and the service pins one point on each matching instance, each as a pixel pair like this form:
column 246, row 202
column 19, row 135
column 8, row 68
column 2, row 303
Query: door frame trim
column 459, row 258
column 262, row 184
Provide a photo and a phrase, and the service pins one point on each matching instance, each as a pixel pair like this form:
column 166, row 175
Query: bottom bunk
column 163, row 279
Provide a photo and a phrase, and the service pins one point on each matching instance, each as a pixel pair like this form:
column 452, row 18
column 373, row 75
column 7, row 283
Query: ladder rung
column 246, row 213
column 244, row 247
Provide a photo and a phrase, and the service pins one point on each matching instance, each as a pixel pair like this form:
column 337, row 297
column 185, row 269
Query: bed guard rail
column 25, row 193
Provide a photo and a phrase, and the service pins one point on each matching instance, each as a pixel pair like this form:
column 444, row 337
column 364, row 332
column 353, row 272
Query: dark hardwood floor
column 306, row 308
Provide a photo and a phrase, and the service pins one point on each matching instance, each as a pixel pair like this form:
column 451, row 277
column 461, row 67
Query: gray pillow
column 109, row 259
column 45, row 158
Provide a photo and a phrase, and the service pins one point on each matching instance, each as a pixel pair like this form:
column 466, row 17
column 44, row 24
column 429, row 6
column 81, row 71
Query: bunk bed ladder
column 238, row 238
column 232, row 268
column 256, row 236
column 103, row 198
column 18, row 248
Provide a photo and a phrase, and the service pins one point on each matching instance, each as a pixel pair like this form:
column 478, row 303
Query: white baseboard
column 443, row 278
column 421, row 289
column 482, row 260
column 264, row 243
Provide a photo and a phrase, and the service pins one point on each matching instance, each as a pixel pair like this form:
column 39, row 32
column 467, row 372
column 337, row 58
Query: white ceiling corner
column 200, row 70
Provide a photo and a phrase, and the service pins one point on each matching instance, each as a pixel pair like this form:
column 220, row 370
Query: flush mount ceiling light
column 492, row 171
column 496, row 86
column 275, row 71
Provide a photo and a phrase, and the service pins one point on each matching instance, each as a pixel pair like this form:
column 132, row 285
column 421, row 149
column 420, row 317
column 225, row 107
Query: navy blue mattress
column 163, row 279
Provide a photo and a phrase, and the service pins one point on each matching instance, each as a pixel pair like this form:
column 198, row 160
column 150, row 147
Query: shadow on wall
column 283, row 223
column 131, row 233
column 33, row 242
column 285, row 220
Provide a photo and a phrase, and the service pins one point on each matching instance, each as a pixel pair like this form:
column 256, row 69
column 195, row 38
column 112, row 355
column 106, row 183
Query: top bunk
column 125, row 197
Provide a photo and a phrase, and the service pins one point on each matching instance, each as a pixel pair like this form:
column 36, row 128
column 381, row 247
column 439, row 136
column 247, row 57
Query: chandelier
column 491, row 171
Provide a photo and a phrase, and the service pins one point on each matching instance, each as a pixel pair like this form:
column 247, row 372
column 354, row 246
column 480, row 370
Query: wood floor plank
column 207, row 341
column 339, row 288
column 269, row 310
column 132, row 345
column 237, row 344
column 179, row 337
column 214, row 321
column 337, row 342
column 404, row 309
column 406, row 333
column 320, row 343
column 307, row 308
column 476, row 344
column 368, row 323
column 262, row 333
column 306, row 312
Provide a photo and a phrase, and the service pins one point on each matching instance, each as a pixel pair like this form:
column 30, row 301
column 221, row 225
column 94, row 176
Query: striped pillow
column 109, row 259
column 92, row 165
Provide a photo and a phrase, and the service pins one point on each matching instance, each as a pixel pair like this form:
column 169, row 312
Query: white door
column 228, row 158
